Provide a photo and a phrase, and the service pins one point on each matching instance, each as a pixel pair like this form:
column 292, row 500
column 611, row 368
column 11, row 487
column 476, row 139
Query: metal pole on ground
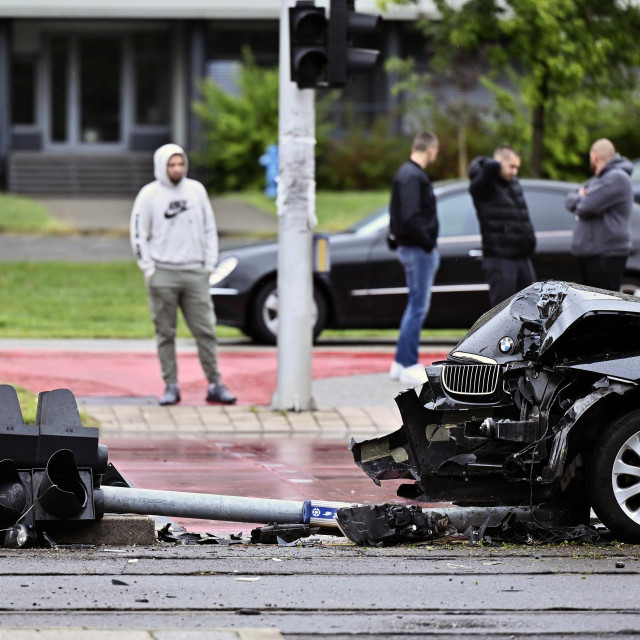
column 180, row 504
column 296, row 219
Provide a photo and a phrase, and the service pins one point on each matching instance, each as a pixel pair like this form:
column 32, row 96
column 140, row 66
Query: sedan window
column 457, row 215
column 547, row 210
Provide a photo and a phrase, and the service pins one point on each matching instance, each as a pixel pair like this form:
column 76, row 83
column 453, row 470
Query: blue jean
column 420, row 268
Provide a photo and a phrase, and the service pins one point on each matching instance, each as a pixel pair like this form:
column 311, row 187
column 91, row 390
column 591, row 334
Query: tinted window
column 547, row 210
column 457, row 215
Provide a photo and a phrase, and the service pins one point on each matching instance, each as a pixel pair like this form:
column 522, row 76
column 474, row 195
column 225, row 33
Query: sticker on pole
column 323, row 514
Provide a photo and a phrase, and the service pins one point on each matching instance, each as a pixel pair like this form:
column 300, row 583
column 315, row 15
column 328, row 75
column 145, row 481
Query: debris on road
column 282, row 534
column 378, row 525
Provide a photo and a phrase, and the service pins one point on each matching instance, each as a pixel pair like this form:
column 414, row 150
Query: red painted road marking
column 249, row 374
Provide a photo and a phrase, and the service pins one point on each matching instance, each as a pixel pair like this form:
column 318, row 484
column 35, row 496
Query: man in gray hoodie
column 174, row 238
column 602, row 207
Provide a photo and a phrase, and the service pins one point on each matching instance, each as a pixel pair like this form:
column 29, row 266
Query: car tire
column 264, row 314
column 614, row 477
column 630, row 285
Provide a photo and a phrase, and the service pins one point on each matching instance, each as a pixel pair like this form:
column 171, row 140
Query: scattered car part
column 391, row 524
column 388, row 524
column 546, row 418
column 274, row 533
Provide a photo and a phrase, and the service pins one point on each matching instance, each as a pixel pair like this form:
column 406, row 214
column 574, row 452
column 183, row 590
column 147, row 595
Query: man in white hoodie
column 175, row 241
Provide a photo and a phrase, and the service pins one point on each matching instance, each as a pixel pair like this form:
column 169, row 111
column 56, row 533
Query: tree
column 564, row 58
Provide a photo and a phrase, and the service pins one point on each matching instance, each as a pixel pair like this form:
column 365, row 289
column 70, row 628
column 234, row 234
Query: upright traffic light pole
column 296, row 219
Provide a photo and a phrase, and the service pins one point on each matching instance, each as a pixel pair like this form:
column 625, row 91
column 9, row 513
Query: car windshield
column 635, row 176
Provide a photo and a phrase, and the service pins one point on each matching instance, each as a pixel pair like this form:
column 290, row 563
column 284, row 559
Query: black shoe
column 171, row 395
column 219, row 393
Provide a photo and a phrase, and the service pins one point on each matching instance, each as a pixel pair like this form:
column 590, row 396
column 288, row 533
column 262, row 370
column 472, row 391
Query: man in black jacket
column 413, row 227
column 508, row 238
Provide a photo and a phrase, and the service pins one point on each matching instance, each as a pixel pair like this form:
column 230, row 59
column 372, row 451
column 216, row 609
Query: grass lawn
column 24, row 215
column 71, row 300
column 336, row 210
column 101, row 300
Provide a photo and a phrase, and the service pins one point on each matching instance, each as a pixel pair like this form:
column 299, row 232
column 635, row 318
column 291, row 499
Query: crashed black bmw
column 538, row 405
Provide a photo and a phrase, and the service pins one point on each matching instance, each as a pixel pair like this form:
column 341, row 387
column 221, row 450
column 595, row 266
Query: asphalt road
column 331, row 590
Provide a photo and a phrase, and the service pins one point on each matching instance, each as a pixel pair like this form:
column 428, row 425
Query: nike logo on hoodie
column 175, row 207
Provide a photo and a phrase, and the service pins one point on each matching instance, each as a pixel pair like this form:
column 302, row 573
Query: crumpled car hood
column 535, row 318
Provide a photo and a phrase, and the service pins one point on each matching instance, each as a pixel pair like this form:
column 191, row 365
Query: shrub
column 362, row 159
column 238, row 129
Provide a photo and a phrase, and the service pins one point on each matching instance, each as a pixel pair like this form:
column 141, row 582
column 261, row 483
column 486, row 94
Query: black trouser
column 506, row 276
column 602, row 272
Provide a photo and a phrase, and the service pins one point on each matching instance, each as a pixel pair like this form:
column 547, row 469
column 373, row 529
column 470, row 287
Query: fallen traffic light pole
column 180, row 504
column 56, row 471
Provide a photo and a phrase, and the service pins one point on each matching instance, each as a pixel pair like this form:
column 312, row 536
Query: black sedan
column 365, row 286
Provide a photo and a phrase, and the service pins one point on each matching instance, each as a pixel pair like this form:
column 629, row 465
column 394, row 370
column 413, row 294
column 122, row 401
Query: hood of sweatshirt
column 161, row 158
column 617, row 162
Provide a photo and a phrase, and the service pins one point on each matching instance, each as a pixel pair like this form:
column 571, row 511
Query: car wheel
column 264, row 314
column 614, row 477
column 630, row 285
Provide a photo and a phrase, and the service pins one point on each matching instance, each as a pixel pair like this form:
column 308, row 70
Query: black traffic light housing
column 308, row 44
column 51, row 470
column 345, row 59
column 322, row 54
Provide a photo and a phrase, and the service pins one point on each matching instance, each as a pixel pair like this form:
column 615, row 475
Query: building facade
column 89, row 89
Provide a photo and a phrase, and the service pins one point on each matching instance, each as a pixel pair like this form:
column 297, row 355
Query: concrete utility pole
column 296, row 219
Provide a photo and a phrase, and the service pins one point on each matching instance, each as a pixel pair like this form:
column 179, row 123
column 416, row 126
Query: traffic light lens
column 310, row 66
column 362, row 59
column 311, row 29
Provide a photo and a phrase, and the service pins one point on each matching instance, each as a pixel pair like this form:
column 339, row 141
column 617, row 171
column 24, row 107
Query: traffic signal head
column 345, row 59
column 308, row 45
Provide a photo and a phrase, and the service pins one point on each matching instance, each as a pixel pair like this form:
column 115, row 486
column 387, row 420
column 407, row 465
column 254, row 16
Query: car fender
column 577, row 420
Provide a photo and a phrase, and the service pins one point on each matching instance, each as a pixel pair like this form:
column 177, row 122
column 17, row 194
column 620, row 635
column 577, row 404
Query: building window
column 23, row 91
column 153, row 77
column 59, row 88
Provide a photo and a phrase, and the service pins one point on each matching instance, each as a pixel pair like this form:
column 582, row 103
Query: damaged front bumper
column 509, row 417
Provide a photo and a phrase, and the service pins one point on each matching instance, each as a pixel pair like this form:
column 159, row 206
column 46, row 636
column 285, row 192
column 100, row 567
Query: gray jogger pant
column 189, row 290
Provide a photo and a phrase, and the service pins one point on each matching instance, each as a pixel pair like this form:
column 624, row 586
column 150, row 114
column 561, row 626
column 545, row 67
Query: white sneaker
column 396, row 370
column 413, row 375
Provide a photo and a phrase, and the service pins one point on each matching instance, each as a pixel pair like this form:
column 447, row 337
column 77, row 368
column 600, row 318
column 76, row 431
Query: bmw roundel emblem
column 506, row 345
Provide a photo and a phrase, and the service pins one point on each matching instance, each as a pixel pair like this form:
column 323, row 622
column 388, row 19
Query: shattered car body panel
column 512, row 414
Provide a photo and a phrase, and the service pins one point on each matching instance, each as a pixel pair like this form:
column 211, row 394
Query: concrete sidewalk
column 337, row 423
column 233, row 217
column 103, row 225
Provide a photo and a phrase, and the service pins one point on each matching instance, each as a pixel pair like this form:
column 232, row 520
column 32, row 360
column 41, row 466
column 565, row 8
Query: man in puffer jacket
column 175, row 241
column 508, row 238
column 602, row 207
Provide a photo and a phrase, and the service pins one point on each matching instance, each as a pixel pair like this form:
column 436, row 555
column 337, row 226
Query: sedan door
column 459, row 294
